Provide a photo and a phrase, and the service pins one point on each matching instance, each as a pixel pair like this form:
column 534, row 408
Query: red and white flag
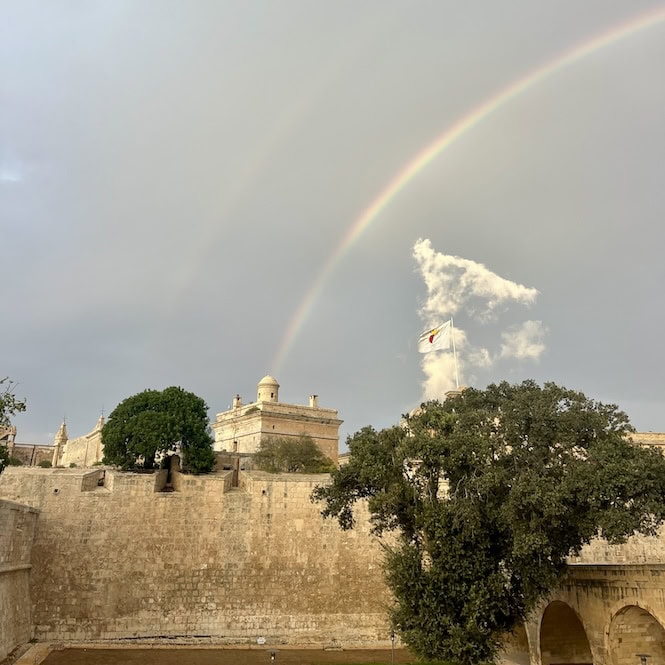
column 436, row 339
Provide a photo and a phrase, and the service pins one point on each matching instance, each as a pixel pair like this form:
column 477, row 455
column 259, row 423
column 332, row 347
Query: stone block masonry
column 113, row 558
column 17, row 529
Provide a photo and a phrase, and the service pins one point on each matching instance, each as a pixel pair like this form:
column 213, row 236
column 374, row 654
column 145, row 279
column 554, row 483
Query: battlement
column 127, row 560
column 231, row 555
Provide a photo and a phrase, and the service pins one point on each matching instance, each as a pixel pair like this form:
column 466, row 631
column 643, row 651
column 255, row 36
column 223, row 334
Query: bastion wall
column 30, row 454
column 114, row 558
column 17, row 529
column 83, row 451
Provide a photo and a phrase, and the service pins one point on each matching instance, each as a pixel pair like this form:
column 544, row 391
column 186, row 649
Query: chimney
column 314, row 401
column 237, row 402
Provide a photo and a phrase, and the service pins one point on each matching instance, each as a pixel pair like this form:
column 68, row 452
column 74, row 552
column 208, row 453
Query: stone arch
column 635, row 630
column 515, row 649
column 563, row 638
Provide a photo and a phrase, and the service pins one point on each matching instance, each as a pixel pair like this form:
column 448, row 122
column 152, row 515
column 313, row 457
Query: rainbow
column 433, row 150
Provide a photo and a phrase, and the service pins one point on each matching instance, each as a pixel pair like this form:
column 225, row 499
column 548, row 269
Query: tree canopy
column 10, row 405
column 153, row 422
column 486, row 495
column 292, row 455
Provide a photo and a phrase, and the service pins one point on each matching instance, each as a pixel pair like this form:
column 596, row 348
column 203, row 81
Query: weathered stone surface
column 242, row 428
column 613, row 612
column 114, row 558
column 123, row 560
column 17, row 529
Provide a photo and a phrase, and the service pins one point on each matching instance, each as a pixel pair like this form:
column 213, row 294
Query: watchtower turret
column 268, row 390
column 59, row 443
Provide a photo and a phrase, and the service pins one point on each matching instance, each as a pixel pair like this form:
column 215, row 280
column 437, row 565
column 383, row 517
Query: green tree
column 9, row 406
column 292, row 455
column 153, row 422
column 486, row 495
column 4, row 457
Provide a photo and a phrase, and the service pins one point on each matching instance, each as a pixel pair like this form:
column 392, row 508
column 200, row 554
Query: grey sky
column 173, row 175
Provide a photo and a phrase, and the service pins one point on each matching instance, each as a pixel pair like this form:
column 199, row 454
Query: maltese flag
column 435, row 339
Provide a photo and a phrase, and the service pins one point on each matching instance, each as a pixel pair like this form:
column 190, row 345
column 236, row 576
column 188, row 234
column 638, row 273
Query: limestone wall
column 122, row 560
column 83, row 451
column 242, row 428
column 656, row 439
column 29, row 454
column 636, row 550
column 324, row 434
column 17, row 529
column 620, row 611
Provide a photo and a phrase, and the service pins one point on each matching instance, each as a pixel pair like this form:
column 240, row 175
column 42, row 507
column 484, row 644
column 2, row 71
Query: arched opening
column 563, row 639
column 516, row 647
column 635, row 632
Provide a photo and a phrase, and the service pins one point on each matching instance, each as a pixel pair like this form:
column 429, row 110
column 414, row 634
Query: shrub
column 285, row 454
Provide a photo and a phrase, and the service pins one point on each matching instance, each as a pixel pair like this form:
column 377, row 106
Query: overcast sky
column 176, row 175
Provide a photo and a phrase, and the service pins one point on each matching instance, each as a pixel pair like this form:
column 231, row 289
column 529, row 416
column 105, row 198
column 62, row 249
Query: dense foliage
column 4, row 457
column 486, row 495
column 9, row 406
column 292, row 455
column 154, row 422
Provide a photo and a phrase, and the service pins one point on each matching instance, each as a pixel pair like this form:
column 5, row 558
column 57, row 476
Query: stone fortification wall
column 84, row 451
column 29, row 454
column 243, row 428
column 120, row 559
column 636, row 550
column 285, row 420
column 649, row 438
column 621, row 611
column 17, row 529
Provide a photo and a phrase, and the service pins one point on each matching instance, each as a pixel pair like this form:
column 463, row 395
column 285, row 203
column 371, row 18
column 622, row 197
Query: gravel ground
column 254, row 656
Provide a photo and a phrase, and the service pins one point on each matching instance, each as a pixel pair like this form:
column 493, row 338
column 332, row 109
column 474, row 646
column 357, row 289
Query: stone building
column 101, row 555
column 239, row 430
column 84, row 451
column 30, row 454
column 243, row 427
column 7, row 434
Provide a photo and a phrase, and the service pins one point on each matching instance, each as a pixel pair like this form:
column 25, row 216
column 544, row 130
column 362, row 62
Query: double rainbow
column 434, row 149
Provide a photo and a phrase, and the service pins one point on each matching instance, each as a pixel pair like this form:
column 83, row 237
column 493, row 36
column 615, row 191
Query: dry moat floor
column 255, row 656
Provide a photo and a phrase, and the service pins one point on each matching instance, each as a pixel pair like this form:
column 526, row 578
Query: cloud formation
column 524, row 341
column 456, row 284
column 453, row 282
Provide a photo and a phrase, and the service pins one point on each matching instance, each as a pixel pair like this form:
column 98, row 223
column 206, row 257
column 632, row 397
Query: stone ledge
column 11, row 568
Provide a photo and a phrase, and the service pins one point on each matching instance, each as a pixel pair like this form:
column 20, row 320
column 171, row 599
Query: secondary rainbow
column 443, row 141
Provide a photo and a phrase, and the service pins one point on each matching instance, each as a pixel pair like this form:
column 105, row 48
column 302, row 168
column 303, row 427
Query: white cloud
column 524, row 341
column 452, row 281
column 440, row 372
column 453, row 284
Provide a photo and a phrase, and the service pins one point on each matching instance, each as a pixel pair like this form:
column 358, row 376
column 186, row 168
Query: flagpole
column 452, row 336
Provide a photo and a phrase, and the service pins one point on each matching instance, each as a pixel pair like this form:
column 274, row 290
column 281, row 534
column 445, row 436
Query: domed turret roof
column 62, row 435
column 268, row 381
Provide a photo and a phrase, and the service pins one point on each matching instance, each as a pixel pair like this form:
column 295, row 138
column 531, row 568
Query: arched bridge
column 603, row 614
